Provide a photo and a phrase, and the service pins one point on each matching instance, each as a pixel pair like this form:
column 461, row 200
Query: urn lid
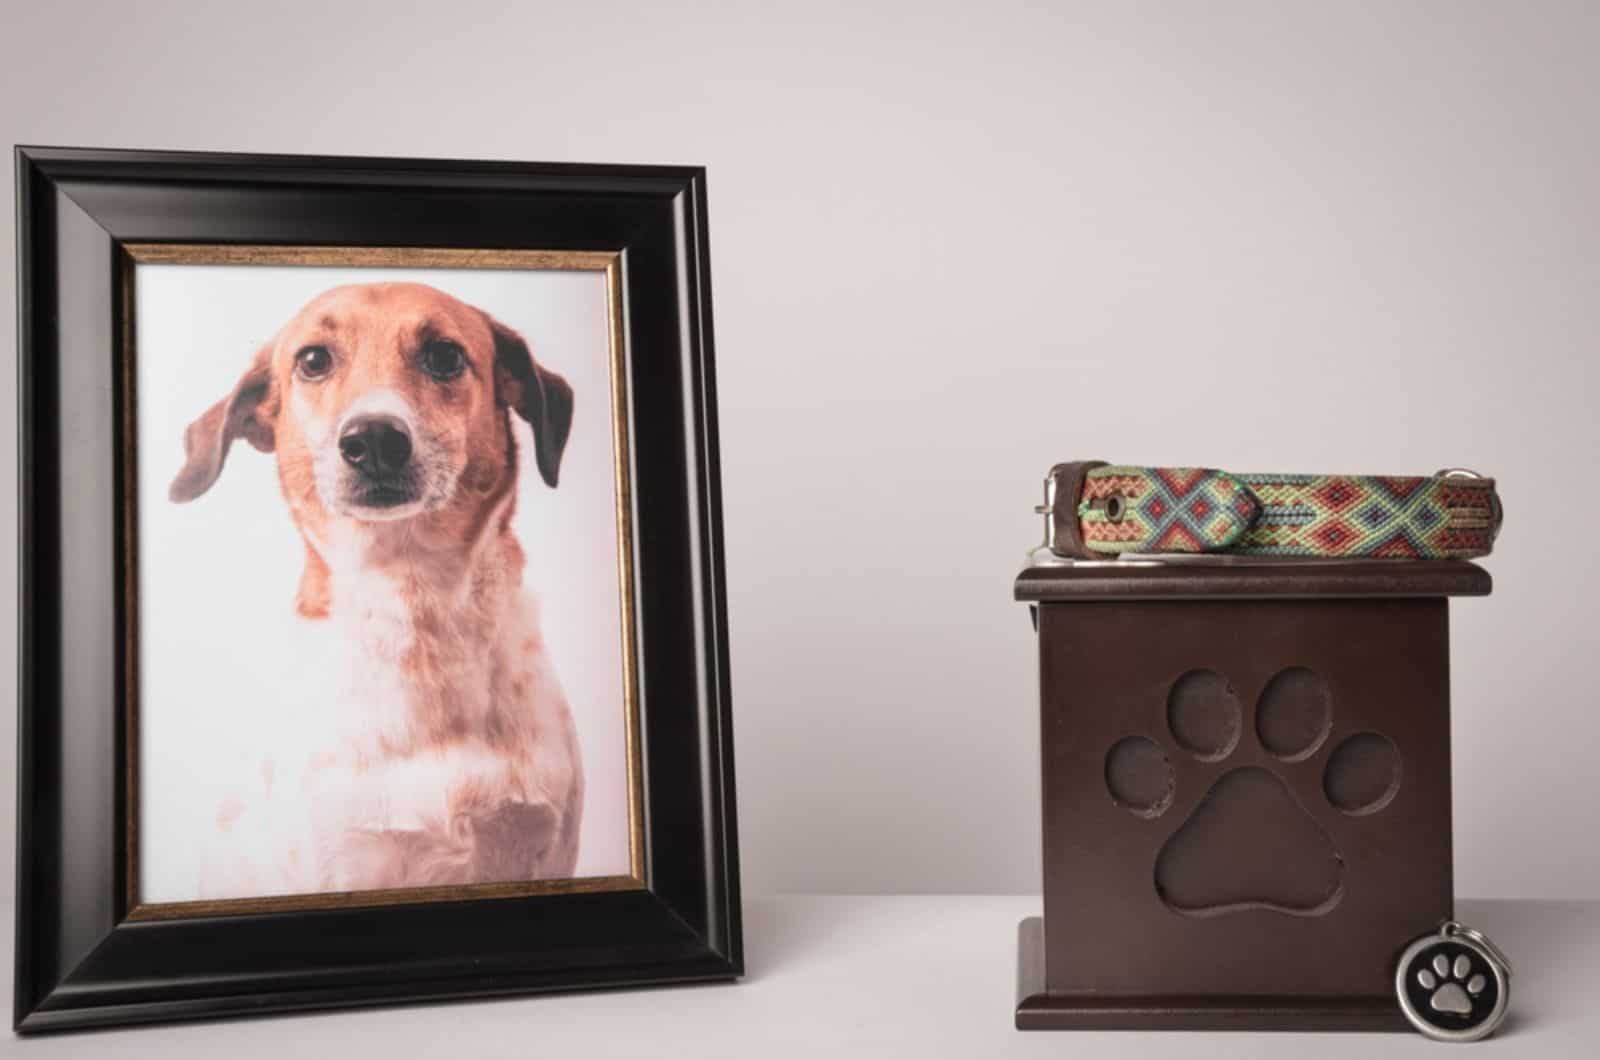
column 1214, row 577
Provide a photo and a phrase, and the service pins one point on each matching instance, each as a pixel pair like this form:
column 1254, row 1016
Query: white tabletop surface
column 834, row 977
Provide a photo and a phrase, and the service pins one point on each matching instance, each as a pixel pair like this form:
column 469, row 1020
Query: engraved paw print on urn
column 1291, row 865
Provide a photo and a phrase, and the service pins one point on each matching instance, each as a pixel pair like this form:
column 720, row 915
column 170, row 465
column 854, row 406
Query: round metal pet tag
column 1453, row 985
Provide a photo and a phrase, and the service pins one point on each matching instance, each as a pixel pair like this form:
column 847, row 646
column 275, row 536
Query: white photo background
column 221, row 654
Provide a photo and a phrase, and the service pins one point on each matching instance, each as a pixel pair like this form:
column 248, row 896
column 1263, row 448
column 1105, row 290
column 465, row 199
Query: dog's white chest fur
column 430, row 743
column 406, row 669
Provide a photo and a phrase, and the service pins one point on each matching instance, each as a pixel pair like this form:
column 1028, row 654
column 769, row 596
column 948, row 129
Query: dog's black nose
column 377, row 445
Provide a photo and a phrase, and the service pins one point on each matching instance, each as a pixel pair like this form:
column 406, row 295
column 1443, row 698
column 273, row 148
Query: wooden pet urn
column 1246, row 781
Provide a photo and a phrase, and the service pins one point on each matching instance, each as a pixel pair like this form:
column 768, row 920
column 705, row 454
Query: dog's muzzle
column 378, row 450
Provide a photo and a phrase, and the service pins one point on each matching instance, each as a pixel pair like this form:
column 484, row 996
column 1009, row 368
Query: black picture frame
column 80, row 960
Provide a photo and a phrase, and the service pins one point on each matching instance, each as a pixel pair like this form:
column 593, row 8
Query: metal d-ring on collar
column 1047, row 509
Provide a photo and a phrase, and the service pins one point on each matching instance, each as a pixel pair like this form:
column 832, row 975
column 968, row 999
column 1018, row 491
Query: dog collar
column 1093, row 509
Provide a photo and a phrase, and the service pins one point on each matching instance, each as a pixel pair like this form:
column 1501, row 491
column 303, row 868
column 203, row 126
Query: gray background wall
column 954, row 243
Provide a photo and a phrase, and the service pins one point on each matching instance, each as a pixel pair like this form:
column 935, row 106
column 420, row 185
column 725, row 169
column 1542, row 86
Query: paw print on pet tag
column 1453, row 985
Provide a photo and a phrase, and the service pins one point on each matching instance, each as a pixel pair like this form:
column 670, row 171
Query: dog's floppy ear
column 539, row 395
column 242, row 414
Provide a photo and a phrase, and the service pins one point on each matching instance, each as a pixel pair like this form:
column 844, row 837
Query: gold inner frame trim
column 374, row 257
column 607, row 262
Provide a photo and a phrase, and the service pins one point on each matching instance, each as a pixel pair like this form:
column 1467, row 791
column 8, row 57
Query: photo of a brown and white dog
column 432, row 743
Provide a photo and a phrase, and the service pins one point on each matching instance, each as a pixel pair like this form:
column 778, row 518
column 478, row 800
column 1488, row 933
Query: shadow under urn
column 1246, row 783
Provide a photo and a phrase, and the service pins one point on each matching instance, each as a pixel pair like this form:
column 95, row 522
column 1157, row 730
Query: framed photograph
column 373, row 636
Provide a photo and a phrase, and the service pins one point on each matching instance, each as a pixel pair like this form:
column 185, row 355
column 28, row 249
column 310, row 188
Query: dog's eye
column 313, row 362
column 443, row 359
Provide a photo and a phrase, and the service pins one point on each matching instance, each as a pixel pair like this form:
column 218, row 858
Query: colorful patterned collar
column 1098, row 509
